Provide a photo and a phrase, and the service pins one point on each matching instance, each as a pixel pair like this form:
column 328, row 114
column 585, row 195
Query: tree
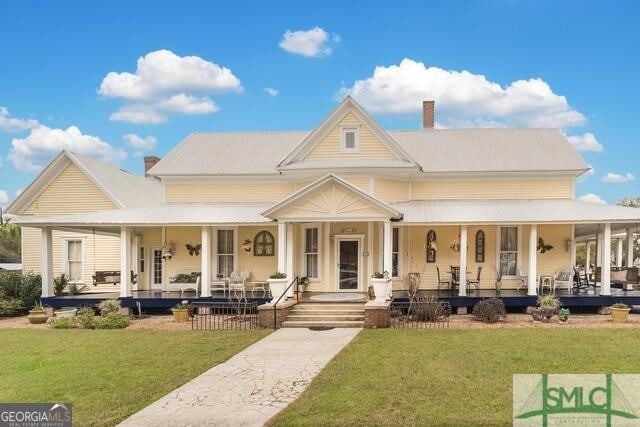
column 10, row 242
column 632, row 202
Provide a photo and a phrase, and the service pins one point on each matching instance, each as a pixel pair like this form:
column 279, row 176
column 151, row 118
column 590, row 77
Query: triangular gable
column 379, row 143
column 328, row 198
column 48, row 176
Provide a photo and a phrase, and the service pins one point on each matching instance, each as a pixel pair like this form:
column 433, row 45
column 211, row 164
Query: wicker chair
column 442, row 282
column 475, row 282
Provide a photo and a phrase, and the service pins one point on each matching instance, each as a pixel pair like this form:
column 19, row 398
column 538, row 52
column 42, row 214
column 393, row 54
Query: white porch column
column 572, row 247
column 290, row 258
column 165, row 279
column 630, row 243
column 462, row 289
column 47, row 262
column 619, row 252
column 125, row 262
column 205, row 262
column 599, row 249
column 282, row 247
column 533, row 261
column 387, row 258
column 587, row 267
column 605, row 275
column 369, row 251
column 135, row 260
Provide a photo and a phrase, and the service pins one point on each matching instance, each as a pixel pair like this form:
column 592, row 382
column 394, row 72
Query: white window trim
column 519, row 266
column 151, row 267
column 303, row 247
column 235, row 248
column 343, row 146
column 65, row 257
column 400, row 258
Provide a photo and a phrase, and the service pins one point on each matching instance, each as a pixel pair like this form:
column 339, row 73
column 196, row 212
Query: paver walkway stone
column 252, row 386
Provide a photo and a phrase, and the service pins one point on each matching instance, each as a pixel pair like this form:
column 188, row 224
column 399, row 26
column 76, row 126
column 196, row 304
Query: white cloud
column 463, row 99
column 618, row 178
column 140, row 144
column 167, row 83
column 313, row 42
column 586, row 142
column 4, row 198
column 592, row 198
column 36, row 149
column 19, row 191
column 11, row 124
column 271, row 91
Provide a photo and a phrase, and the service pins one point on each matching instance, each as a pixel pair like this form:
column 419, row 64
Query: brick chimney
column 149, row 162
column 428, row 114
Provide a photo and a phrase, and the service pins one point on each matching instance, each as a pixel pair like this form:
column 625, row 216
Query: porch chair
column 442, row 282
column 524, row 281
column 455, row 277
column 218, row 284
column 475, row 282
column 580, row 279
column 237, row 281
column 562, row 278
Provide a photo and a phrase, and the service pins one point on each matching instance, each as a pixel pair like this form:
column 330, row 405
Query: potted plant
column 60, row 283
column 619, row 312
column 181, row 311
column 548, row 304
column 499, row 279
column 537, row 314
column 65, row 312
column 563, row 315
column 381, row 283
column 37, row 314
column 303, row 282
column 277, row 285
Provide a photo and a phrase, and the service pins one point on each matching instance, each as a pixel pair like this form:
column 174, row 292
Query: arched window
column 480, row 246
column 263, row 244
column 431, row 246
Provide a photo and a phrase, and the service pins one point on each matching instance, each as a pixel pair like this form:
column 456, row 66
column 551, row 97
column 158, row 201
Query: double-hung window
column 226, row 252
column 73, row 260
column 508, row 248
column 311, row 252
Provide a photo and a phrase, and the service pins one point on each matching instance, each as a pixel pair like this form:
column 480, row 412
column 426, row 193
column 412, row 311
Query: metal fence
column 241, row 315
column 420, row 314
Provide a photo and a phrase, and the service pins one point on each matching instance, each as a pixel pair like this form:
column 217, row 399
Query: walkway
column 252, row 386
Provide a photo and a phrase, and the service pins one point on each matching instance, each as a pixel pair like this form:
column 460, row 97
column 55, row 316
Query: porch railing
column 420, row 314
column 275, row 313
column 240, row 315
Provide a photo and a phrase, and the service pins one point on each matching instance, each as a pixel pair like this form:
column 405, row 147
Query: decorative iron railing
column 236, row 315
column 420, row 314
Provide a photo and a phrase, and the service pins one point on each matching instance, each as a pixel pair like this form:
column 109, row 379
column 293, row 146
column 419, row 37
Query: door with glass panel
column 348, row 264
column 156, row 269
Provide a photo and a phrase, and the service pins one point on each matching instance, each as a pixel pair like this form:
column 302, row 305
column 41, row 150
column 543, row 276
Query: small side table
column 545, row 281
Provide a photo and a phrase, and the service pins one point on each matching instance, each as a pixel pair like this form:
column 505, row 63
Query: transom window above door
column 350, row 139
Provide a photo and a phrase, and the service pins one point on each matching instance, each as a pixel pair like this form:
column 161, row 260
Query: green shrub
column 278, row 275
column 112, row 320
column 187, row 277
column 59, row 284
column 63, row 322
column 87, row 318
column 620, row 305
column 24, row 287
column 10, row 307
column 109, row 306
column 74, row 289
column 490, row 310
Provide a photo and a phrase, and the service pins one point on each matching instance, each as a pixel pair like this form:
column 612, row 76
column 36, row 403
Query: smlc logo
column 575, row 399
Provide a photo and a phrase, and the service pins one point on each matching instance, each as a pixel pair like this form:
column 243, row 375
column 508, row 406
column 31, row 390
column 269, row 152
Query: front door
column 348, row 264
column 156, row 269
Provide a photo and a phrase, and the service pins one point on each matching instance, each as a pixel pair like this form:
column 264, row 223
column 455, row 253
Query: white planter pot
column 381, row 289
column 66, row 313
column 277, row 288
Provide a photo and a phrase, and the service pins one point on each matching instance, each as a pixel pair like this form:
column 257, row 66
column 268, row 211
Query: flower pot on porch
column 381, row 289
column 498, row 286
column 277, row 288
column 37, row 317
column 180, row 314
column 619, row 315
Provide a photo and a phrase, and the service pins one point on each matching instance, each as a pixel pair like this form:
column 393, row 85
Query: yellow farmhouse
column 334, row 205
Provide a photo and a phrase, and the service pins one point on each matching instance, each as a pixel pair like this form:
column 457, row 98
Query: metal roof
column 490, row 150
column 167, row 214
column 435, row 150
column 513, row 211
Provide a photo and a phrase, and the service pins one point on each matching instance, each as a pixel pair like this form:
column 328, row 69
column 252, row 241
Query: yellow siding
column 71, row 192
column 261, row 267
column 362, row 182
column 370, row 145
column 391, row 190
column 492, row 189
column 182, row 262
column 106, row 249
column 245, row 192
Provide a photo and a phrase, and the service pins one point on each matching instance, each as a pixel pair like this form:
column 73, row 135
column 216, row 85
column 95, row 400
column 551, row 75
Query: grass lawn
column 107, row 375
column 450, row 377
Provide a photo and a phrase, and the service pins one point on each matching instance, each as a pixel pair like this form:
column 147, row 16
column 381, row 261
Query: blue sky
column 205, row 67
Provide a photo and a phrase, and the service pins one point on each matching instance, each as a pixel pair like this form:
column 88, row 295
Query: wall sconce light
column 246, row 245
column 168, row 251
column 455, row 246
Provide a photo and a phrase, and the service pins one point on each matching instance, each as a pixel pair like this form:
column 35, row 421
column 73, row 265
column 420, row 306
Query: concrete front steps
column 330, row 315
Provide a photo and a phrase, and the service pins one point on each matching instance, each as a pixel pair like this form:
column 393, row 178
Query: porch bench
column 106, row 277
column 184, row 281
column 632, row 276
